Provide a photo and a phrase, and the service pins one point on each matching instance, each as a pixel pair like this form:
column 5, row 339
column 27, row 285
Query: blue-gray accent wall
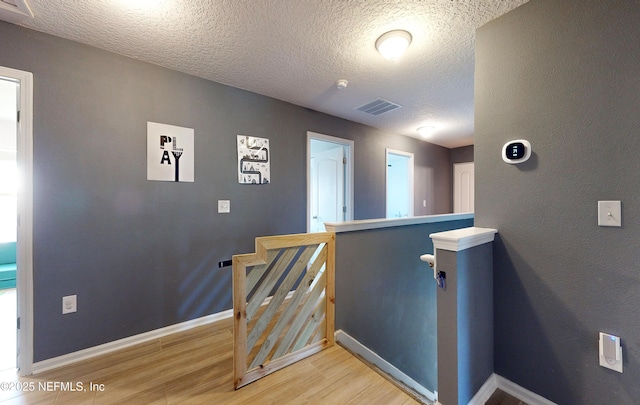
column 565, row 76
column 141, row 255
column 386, row 296
column 465, row 322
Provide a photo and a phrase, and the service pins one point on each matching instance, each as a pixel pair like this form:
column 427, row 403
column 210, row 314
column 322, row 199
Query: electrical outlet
column 69, row 304
column 224, row 206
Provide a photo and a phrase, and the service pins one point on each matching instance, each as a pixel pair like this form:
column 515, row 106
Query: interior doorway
column 16, row 189
column 463, row 187
column 8, row 221
column 399, row 184
column 329, row 180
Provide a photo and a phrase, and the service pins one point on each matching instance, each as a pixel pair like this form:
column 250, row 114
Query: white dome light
column 392, row 44
column 142, row 4
column 426, row 131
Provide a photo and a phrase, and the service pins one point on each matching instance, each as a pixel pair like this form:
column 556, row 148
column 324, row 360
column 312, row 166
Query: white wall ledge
column 365, row 224
column 461, row 239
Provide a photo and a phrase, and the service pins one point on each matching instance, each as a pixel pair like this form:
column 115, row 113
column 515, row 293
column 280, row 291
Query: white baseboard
column 521, row 393
column 85, row 354
column 485, row 392
column 99, row 350
column 495, row 381
column 358, row 348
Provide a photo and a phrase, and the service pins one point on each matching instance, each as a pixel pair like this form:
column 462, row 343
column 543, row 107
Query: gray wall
column 563, row 75
column 386, row 296
column 142, row 255
column 465, row 323
column 462, row 154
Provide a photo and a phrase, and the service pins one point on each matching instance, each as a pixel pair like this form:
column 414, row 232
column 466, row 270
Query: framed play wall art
column 170, row 153
column 253, row 160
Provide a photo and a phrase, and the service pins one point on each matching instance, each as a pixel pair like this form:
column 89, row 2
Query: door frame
column 411, row 178
column 24, row 251
column 348, row 181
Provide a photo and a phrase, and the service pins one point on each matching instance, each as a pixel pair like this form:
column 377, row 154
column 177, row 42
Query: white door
column 327, row 188
column 329, row 180
column 399, row 184
column 463, row 184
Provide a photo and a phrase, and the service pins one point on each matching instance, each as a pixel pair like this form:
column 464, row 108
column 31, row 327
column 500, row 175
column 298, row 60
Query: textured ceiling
column 295, row 50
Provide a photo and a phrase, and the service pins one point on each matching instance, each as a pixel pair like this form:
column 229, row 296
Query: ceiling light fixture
column 392, row 44
column 142, row 4
column 426, row 131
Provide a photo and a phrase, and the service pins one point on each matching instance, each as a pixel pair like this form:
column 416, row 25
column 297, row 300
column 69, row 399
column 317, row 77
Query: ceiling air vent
column 378, row 106
column 14, row 11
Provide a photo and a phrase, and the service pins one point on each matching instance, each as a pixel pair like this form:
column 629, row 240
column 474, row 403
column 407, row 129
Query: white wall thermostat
column 514, row 152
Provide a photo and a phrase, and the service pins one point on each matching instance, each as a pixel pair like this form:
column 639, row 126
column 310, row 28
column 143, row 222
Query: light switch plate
column 224, row 206
column 609, row 213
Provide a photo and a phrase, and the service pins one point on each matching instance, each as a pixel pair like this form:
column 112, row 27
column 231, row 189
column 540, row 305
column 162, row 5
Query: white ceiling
column 295, row 50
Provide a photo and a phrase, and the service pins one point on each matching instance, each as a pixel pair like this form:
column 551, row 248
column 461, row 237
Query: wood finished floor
column 195, row 367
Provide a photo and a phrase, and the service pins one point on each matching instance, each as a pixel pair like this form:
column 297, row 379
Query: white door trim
column 410, row 171
column 24, row 253
column 348, row 178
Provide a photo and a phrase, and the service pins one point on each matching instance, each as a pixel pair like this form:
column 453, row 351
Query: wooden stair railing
column 283, row 303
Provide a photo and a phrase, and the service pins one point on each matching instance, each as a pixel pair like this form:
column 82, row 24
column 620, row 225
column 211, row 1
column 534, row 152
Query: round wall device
column 518, row 151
